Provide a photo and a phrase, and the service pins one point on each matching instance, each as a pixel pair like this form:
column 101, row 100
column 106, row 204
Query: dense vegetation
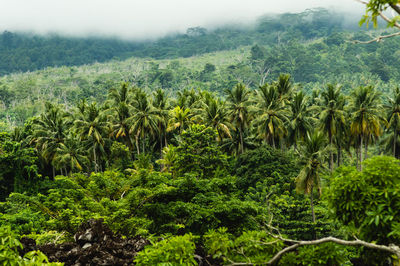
column 212, row 172
column 233, row 172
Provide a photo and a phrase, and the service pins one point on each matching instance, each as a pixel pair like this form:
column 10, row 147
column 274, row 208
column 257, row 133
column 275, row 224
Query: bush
column 177, row 250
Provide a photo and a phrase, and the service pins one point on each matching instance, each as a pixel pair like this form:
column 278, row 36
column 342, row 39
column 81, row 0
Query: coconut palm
column 92, row 127
column 271, row 114
column 215, row 115
column 49, row 132
column 393, row 118
column 284, row 87
column 238, row 101
column 179, row 118
column 301, row 118
column 332, row 115
column 312, row 153
column 160, row 103
column 367, row 118
column 143, row 122
column 120, row 102
column 71, row 155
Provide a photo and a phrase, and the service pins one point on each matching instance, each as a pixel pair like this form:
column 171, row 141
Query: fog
column 144, row 19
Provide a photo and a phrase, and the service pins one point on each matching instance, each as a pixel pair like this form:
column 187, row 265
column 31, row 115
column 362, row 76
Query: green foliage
column 176, row 250
column 368, row 200
column 198, row 153
column 18, row 166
column 324, row 254
column 249, row 247
column 266, row 164
column 9, row 252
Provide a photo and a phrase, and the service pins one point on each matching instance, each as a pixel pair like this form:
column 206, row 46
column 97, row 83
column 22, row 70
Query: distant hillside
column 313, row 55
column 26, row 52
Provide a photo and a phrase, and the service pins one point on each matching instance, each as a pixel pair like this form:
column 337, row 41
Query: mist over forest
column 21, row 52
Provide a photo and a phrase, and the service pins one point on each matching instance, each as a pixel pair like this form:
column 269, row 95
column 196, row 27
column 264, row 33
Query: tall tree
column 313, row 153
column 238, row 101
column 161, row 105
column 49, row 132
column 271, row 114
column 179, row 118
column 301, row 118
column 367, row 118
column 332, row 115
column 143, row 122
column 393, row 118
column 120, row 111
column 71, row 155
column 215, row 115
column 92, row 127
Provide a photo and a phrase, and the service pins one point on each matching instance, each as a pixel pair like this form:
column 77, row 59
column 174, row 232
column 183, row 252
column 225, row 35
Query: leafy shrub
column 249, row 247
column 177, row 250
column 9, row 247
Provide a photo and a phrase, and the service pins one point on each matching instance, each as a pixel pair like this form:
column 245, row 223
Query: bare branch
column 391, row 248
column 296, row 243
column 378, row 39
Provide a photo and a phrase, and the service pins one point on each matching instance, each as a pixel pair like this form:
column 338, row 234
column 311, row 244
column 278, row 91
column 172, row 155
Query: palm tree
column 366, row 118
column 179, row 118
column 92, row 127
column 301, row 118
column 161, row 106
column 238, row 101
column 144, row 119
column 284, row 87
column 120, row 112
column 271, row 113
column 121, row 95
column 71, row 155
column 393, row 118
column 215, row 115
column 312, row 153
column 49, row 132
column 332, row 115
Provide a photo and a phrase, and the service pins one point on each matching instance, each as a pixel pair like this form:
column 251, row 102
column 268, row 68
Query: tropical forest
column 275, row 143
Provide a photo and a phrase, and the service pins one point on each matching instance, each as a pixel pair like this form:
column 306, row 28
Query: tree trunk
column 330, row 152
column 54, row 171
column 273, row 142
column 357, row 163
column 241, row 140
column 394, row 143
column 161, row 146
column 360, row 154
column 95, row 159
column 144, row 144
column 366, row 150
column 339, row 155
column 312, row 204
column 137, row 144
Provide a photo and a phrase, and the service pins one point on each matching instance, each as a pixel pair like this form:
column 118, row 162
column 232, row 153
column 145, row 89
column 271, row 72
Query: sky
column 144, row 19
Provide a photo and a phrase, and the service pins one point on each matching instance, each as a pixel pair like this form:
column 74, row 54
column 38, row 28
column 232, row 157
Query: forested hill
column 314, row 47
column 26, row 52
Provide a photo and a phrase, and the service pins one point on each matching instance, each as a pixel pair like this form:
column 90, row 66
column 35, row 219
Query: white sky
column 139, row 19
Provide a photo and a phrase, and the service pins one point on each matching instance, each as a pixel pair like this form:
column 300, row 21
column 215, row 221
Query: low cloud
column 143, row 19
